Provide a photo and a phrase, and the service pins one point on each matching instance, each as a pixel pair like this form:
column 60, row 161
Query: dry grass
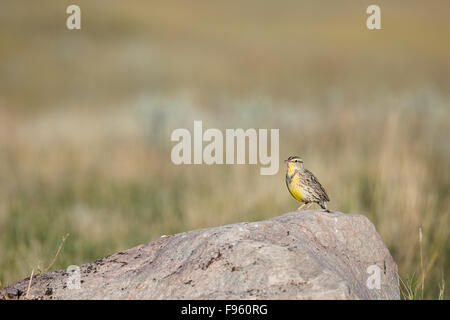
column 85, row 121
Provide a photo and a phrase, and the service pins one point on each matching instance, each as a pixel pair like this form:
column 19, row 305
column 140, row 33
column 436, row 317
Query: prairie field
column 86, row 118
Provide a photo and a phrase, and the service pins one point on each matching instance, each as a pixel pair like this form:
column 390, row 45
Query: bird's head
column 294, row 163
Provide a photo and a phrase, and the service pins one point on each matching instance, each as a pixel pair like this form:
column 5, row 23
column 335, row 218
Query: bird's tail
column 323, row 205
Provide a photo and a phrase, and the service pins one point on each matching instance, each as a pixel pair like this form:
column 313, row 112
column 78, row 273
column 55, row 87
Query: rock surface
column 306, row 255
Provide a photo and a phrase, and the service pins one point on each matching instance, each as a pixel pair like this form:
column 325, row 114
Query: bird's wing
column 317, row 186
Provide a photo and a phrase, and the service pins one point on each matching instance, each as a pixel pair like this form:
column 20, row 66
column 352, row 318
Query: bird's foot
column 302, row 207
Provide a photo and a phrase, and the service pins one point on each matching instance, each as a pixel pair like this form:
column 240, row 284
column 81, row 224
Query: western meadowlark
column 303, row 185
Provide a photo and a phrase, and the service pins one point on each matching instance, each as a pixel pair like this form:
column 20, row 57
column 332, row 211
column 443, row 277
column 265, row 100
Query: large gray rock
column 299, row 255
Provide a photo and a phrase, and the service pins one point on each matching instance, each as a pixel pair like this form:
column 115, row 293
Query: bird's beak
column 285, row 161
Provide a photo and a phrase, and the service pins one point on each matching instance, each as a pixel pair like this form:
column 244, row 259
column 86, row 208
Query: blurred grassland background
column 86, row 118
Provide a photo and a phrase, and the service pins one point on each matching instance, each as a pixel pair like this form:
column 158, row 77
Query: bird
column 303, row 185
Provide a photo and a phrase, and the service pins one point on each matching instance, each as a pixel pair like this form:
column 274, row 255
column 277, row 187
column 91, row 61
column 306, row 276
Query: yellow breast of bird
column 294, row 188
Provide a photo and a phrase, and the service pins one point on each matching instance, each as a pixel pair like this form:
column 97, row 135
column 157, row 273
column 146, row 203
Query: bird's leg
column 301, row 207
column 309, row 205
